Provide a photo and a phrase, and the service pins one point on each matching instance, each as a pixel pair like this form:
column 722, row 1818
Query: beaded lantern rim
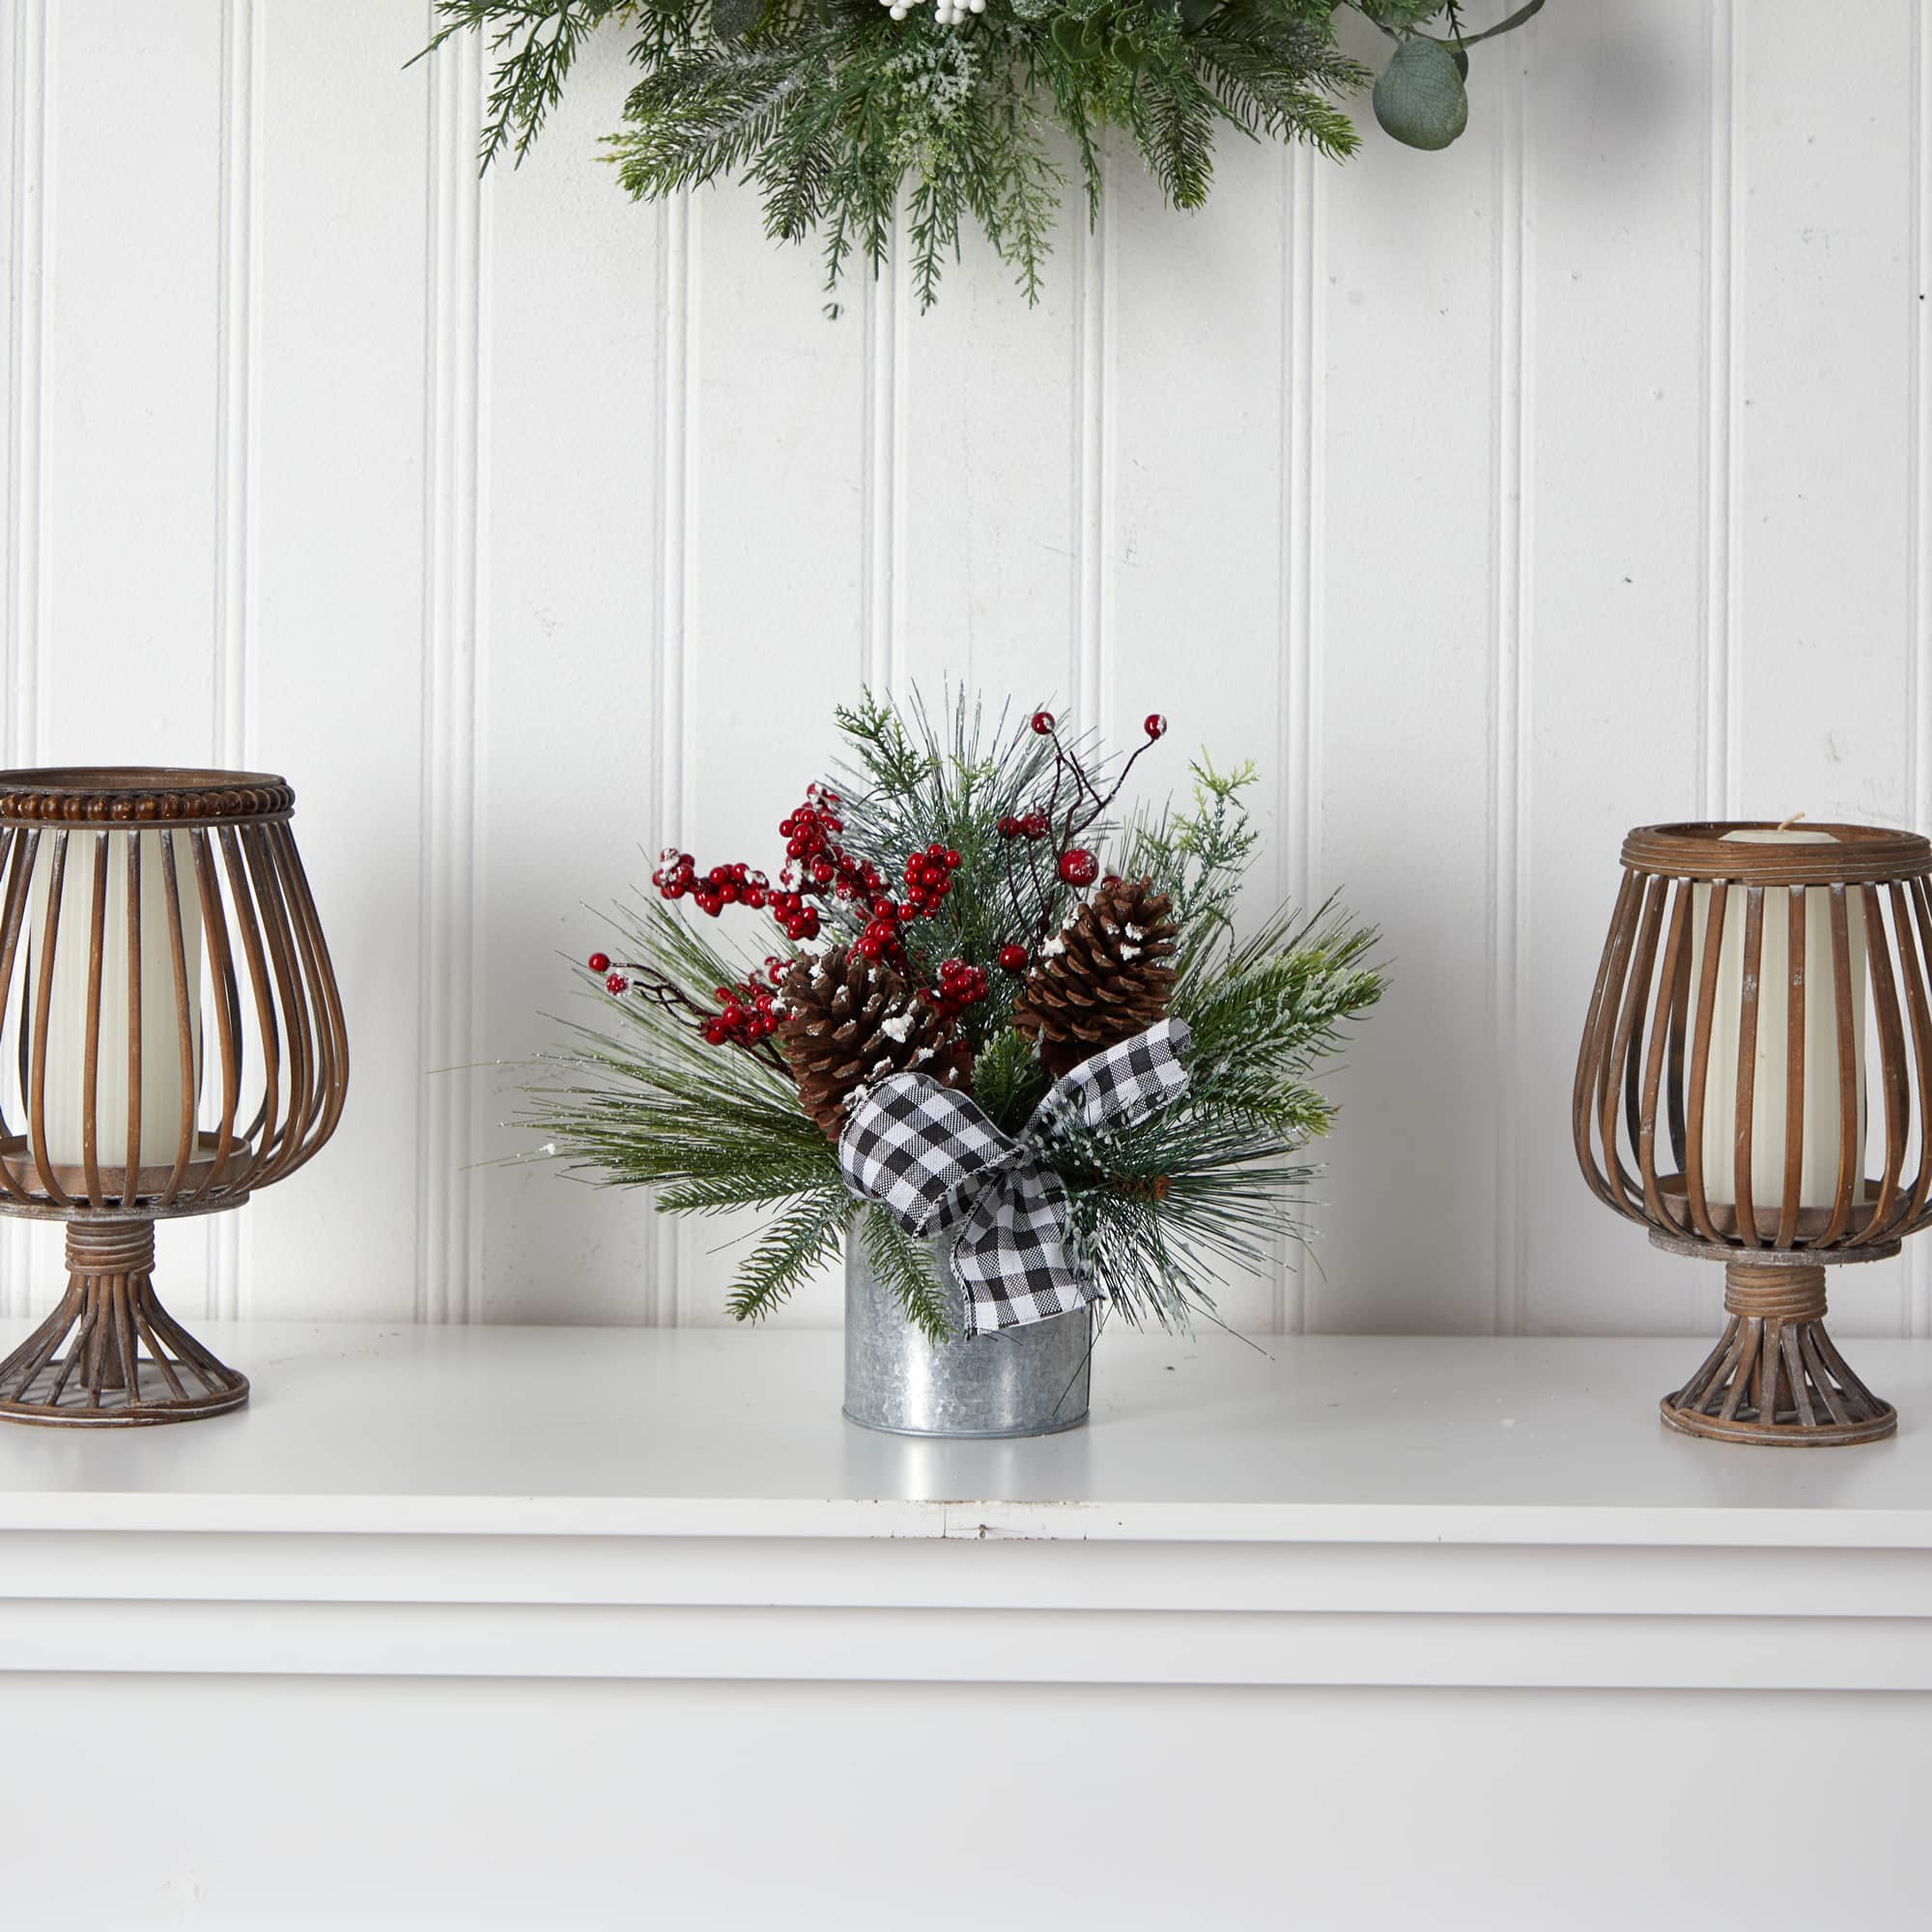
column 1859, row 854
column 159, row 795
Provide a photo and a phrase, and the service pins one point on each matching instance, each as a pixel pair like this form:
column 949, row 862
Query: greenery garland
column 842, row 113
column 678, row 1087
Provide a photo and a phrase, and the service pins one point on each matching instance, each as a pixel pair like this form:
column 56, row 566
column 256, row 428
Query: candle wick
column 1791, row 821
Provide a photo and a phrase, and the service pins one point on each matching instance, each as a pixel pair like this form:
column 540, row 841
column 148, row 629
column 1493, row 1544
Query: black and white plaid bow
column 932, row 1160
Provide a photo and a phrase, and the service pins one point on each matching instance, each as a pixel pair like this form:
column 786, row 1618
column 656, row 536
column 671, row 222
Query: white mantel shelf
column 691, row 1504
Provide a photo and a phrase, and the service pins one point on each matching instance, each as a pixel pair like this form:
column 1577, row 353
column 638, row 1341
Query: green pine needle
column 858, row 128
column 905, row 1267
column 791, row 1250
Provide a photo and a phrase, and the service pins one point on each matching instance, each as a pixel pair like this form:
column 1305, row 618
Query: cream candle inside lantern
column 68, row 1005
column 1818, row 1182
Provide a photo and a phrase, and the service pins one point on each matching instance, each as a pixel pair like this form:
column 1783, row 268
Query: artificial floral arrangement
column 977, row 1029
column 836, row 111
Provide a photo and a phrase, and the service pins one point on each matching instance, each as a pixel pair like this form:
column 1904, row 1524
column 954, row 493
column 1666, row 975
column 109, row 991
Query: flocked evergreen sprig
column 679, row 1085
column 856, row 118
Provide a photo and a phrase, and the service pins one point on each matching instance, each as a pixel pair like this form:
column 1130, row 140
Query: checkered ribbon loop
column 934, row 1162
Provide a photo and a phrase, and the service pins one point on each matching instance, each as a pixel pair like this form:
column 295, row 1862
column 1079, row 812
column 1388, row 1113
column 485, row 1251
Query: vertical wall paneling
column 26, row 49
column 1721, row 402
column 572, row 652
column 1407, row 724
column 234, row 432
column 451, row 512
column 1093, row 453
column 1825, row 281
column 986, row 481
column 1293, row 778
column 234, row 426
column 129, row 515
column 673, row 562
column 336, row 674
column 884, row 302
column 1615, row 625
column 1918, row 798
column 1492, row 501
column 1511, row 671
column 23, row 46
column 581, row 404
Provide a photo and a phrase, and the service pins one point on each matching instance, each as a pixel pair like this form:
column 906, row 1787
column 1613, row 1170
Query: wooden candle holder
column 170, row 1006
column 1645, row 1075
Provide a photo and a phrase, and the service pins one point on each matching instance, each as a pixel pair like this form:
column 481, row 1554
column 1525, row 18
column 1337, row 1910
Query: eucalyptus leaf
column 1419, row 97
column 1196, row 14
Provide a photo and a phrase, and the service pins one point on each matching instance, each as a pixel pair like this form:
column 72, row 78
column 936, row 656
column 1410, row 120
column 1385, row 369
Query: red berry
column 1042, row 721
column 1008, row 827
column 1035, row 825
column 616, row 983
column 599, row 962
column 1078, row 867
column 950, row 860
column 1013, row 958
column 1154, row 725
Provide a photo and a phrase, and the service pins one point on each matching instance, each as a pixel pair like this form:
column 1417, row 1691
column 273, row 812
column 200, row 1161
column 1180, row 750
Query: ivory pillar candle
column 1778, row 973
column 68, row 1005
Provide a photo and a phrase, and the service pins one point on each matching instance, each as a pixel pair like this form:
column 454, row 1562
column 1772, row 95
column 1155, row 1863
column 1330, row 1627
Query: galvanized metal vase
column 1021, row 1382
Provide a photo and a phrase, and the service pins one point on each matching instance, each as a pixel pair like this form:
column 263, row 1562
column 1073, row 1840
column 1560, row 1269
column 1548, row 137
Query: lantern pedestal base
column 1775, row 1377
column 110, row 1356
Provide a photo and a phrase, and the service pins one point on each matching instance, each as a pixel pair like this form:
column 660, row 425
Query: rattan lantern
column 171, row 1037
column 1759, row 985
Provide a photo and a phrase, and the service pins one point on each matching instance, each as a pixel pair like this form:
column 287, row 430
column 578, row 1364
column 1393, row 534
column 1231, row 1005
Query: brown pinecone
column 850, row 1021
column 1105, row 980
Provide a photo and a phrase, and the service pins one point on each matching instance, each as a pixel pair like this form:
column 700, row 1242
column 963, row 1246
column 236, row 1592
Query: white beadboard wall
column 1493, row 500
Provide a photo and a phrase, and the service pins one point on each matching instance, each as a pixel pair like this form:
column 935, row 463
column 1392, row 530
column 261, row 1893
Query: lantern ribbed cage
column 171, row 1040
column 1758, row 1041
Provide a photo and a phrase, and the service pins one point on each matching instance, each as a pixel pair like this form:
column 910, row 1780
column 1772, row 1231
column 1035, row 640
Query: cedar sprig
column 841, row 117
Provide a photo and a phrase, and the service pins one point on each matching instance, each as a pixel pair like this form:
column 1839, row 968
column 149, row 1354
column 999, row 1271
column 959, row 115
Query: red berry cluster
column 813, row 859
column 745, row 1013
column 676, row 877
column 1031, row 825
column 928, row 878
column 960, row 986
column 796, row 920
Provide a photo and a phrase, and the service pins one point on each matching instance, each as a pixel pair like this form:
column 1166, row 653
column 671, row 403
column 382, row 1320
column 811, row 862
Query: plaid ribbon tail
column 933, row 1161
